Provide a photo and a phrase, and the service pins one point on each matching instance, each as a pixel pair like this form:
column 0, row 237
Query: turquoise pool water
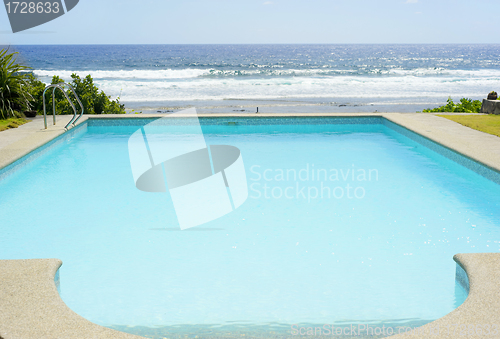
column 380, row 253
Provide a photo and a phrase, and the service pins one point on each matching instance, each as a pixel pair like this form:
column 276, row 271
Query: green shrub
column 465, row 106
column 36, row 88
column 93, row 100
column 14, row 94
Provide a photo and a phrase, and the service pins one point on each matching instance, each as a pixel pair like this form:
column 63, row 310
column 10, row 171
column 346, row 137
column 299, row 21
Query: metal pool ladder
column 60, row 86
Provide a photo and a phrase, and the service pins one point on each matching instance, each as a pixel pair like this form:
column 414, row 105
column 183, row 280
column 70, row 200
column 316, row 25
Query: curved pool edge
column 31, row 307
column 482, row 306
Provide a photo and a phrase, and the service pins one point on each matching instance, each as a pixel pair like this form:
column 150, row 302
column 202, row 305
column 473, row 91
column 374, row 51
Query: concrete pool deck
column 17, row 142
column 479, row 146
column 30, row 305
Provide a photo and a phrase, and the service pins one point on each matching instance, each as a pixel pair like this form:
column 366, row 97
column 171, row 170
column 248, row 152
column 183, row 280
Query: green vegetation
column 14, row 89
column 484, row 123
column 93, row 100
column 465, row 106
column 11, row 123
column 21, row 91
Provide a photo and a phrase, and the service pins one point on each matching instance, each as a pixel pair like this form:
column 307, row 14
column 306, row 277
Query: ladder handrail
column 54, row 103
column 55, row 86
column 67, row 97
column 77, row 99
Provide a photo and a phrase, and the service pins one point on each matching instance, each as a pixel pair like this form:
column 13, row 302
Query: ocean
column 276, row 78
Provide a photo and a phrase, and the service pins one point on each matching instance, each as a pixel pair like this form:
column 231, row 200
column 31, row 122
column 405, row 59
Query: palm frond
column 14, row 89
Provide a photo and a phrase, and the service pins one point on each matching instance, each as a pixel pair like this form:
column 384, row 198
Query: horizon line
column 259, row 44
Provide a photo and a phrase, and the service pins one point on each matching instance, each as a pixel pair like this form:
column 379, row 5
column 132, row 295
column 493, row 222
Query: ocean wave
column 277, row 88
column 127, row 74
column 190, row 73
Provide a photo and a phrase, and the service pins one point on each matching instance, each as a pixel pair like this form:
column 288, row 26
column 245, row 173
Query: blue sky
column 266, row 21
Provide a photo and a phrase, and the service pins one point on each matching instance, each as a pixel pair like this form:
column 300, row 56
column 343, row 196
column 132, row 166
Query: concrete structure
column 30, row 306
column 490, row 106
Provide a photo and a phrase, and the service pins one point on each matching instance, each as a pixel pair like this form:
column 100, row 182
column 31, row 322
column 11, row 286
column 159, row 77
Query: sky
column 265, row 22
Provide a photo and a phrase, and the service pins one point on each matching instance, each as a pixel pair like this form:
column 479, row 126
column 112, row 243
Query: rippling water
column 277, row 78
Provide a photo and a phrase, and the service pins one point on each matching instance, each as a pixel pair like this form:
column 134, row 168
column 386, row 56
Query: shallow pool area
column 347, row 221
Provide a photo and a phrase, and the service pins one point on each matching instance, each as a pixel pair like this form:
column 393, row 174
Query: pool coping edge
column 482, row 269
column 32, row 307
column 456, row 144
column 480, row 308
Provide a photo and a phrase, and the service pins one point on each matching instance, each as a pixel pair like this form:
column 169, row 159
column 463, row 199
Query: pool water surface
column 349, row 222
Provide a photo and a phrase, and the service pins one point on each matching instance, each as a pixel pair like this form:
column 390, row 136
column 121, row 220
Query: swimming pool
column 379, row 252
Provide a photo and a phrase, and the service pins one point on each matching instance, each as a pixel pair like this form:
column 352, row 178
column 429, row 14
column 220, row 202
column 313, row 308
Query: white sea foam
column 342, row 87
column 132, row 74
column 190, row 73
column 194, row 84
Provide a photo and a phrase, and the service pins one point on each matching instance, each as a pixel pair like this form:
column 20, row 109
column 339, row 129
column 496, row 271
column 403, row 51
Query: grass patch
column 11, row 123
column 484, row 123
